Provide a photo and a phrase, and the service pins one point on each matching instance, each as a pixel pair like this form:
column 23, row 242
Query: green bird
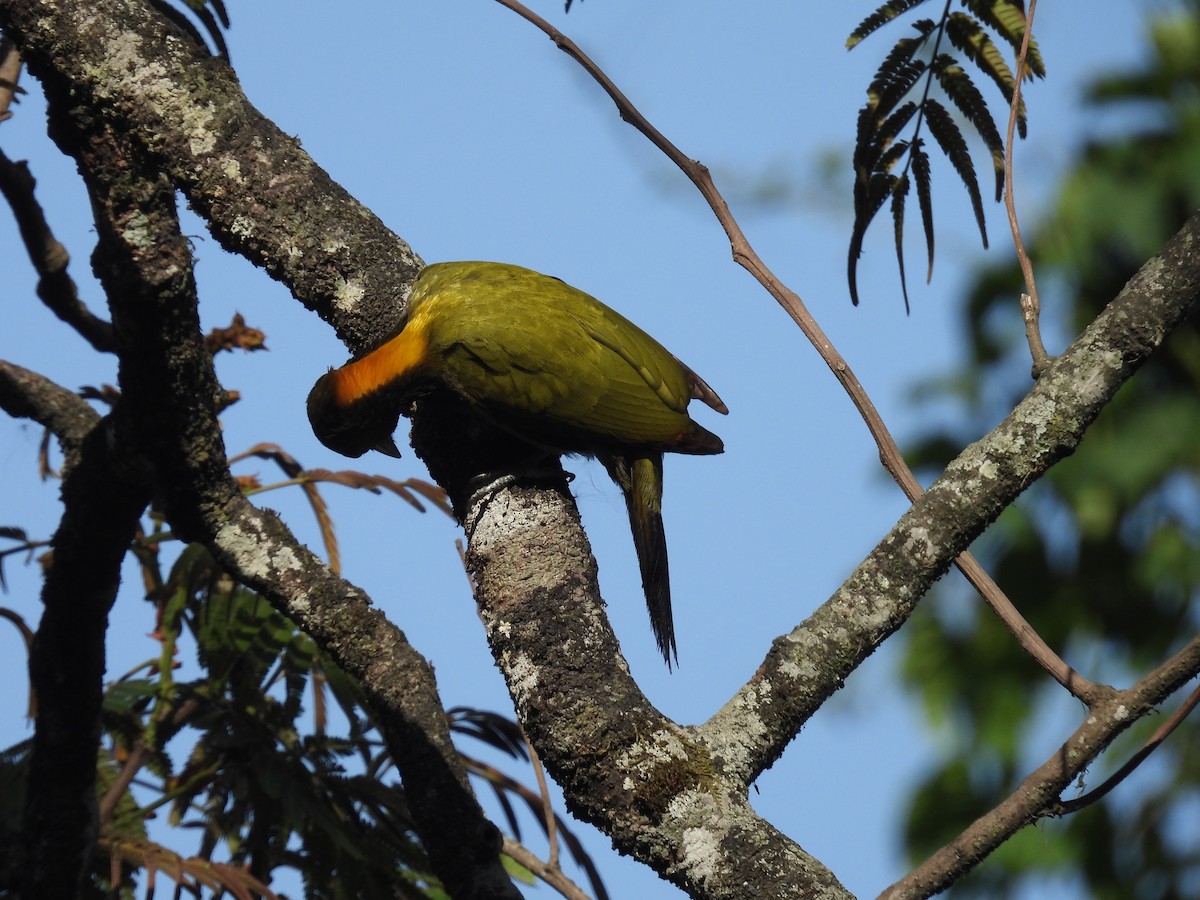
column 546, row 362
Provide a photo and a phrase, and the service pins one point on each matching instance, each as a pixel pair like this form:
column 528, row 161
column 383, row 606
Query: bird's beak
column 387, row 447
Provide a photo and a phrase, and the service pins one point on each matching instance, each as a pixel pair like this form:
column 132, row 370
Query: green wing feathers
column 556, row 359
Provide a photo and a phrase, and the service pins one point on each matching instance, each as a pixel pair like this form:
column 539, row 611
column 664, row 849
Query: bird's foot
column 486, row 485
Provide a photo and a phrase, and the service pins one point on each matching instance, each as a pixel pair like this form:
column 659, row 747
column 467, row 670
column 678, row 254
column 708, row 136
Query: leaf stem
column 1030, row 304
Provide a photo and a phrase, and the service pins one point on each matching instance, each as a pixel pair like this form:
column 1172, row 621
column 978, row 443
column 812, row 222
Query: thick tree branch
column 262, row 195
column 169, row 404
column 644, row 780
column 103, row 498
column 28, row 395
column 806, row 666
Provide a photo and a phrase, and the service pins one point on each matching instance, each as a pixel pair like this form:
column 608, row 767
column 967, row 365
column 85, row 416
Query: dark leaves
column 490, row 728
column 962, row 91
column 944, row 130
column 1007, row 19
column 890, row 153
column 920, row 169
column 974, row 43
column 879, row 18
column 899, row 193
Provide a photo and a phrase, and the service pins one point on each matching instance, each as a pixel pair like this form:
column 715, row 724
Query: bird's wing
column 575, row 375
column 539, row 348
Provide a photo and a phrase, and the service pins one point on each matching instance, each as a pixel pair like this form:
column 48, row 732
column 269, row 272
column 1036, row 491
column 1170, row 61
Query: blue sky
column 472, row 137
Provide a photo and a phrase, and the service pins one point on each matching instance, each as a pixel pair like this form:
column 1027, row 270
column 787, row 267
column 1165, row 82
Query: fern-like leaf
column 950, row 139
column 879, row 18
column 898, row 72
column 491, row 728
column 968, row 36
column 908, row 69
column 899, row 195
column 962, row 91
column 1007, row 19
column 217, row 5
column 204, row 14
column 869, row 152
column 870, row 193
column 881, row 119
column 921, row 175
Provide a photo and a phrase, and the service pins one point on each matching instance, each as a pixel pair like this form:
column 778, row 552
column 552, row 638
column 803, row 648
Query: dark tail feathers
column 641, row 481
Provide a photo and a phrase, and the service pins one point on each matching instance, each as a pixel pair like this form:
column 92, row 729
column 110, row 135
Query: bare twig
column 547, row 807
column 889, row 452
column 1030, row 304
column 1031, row 642
column 27, row 637
column 138, row 757
column 547, row 872
column 49, row 257
column 1067, row 807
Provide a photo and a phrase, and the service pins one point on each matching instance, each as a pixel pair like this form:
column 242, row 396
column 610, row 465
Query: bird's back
column 556, row 361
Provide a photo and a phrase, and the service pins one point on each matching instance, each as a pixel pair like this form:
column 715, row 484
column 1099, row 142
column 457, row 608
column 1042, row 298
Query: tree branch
column 622, row 765
column 1031, row 304
column 1038, row 794
column 187, row 111
column 103, row 498
column 28, row 395
column 50, row 258
column 1074, row 805
column 547, row 871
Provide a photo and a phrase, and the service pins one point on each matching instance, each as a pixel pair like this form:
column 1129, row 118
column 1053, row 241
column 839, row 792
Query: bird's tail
column 641, row 481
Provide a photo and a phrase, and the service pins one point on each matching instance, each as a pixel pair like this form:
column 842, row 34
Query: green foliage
column 1101, row 556
column 916, row 65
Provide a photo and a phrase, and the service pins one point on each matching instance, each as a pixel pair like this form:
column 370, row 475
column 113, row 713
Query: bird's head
column 351, row 429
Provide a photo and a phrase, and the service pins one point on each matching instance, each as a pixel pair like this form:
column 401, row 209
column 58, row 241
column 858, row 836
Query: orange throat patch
column 390, row 365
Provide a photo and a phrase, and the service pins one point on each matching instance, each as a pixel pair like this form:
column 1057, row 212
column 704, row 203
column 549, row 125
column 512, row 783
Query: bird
column 546, row 362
